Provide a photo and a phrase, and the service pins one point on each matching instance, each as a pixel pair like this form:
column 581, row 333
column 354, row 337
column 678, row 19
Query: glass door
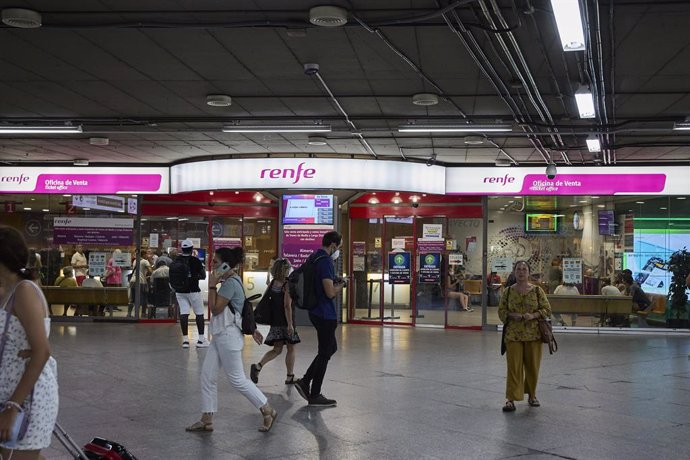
column 431, row 272
column 396, row 297
column 366, row 246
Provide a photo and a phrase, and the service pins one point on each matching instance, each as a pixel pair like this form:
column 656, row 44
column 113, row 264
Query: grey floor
column 402, row 393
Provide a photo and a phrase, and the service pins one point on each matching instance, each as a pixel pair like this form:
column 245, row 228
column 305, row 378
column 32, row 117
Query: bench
column 473, row 288
column 85, row 296
column 591, row 305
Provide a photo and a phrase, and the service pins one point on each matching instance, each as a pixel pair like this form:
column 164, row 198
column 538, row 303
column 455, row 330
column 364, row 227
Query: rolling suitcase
column 97, row 449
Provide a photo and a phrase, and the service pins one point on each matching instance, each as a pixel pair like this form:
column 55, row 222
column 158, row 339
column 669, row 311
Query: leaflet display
column 308, row 209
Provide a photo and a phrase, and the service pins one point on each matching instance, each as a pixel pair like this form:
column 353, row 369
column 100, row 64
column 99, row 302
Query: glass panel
column 367, row 269
column 396, row 297
column 464, row 275
column 260, row 239
column 431, row 295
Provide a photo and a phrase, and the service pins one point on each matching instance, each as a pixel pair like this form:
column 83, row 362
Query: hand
column 515, row 316
column 291, row 330
column 258, row 338
column 6, row 421
column 529, row 316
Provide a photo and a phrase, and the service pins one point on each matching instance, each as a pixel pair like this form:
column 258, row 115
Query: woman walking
column 282, row 330
column 522, row 305
column 226, row 346
column 28, row 374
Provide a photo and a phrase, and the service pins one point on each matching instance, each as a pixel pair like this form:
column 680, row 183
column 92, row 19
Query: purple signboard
column 427, row 245
column 93, row 231
column 300, row 241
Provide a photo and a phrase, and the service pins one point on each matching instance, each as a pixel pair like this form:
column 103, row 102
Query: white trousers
column 225, row 351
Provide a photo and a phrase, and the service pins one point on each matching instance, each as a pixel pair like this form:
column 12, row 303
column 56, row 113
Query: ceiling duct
column 328, row 16
column 21, row 18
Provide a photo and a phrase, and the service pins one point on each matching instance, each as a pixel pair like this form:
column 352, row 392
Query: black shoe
column 323, row 401
column 302, row 388
column 254, row 373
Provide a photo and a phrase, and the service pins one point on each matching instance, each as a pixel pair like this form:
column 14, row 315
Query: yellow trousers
column 523, row 360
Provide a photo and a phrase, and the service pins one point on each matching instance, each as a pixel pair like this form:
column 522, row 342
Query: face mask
column 336, row 254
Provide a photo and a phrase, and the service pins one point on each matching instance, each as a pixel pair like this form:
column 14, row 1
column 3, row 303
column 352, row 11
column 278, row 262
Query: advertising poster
column 572, row 271
column 97, row 262
column 399, row 268
column 299, row 241
column 153, row 240
column 227, row 243
column 430, row 267
column 94, row 231
column 359, row 249
column 398, row 243
column 427, row 245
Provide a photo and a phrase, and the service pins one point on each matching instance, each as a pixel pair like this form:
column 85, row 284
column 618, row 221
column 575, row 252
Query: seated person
column 91, row 282
column 607, row 289
column 565, row 289
column 493, row 283
column 455, row 290
column 66, row 279
column 641, row 302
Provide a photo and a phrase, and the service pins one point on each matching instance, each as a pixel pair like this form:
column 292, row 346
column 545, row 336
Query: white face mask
column 336, row 254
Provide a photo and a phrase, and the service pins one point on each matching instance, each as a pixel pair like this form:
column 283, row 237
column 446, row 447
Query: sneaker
column 254, row 373
column 302, row 388
column 201, row 344
column 185, row 344
column 323, row 401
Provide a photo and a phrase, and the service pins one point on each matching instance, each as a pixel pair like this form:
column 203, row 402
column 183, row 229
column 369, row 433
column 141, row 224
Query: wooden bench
column 84, row 296
column 591, row 305
column 473, row 288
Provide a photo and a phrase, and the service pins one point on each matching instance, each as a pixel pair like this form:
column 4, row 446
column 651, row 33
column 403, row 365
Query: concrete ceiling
column 139, row 72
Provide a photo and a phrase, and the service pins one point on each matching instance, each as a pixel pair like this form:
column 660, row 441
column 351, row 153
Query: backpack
column 248, row 323
column 103, row 449
column 180, row 274
column 302, row 286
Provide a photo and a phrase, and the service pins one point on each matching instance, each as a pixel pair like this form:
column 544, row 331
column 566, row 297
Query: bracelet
column 14, row 405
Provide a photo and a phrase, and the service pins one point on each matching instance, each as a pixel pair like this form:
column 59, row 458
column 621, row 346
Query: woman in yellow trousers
column 521, row 306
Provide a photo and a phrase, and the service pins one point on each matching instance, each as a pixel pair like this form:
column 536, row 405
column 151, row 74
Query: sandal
column 200, row 427
column 269, row 415
column 534, row 402
column 509, row 406
column 290, row 379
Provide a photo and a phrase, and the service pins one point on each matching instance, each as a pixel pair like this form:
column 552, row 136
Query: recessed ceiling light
column 373, row 200
column 86, row 209
column 45, row 210
column 317, row 140
column 680, row 198
column 595, row 197
column 517, row 197
column 237, row 193
column 21, row 18
column 328, row 16
column 663, row 209
column 67, row 195
column 601, row 206
column 81, row 162
column 639, row 202
column 414, row 198
column 474, row 140
column 218, row 100
column 99, row 141
column 171, row 218
column 27, row 209
column 584, row 201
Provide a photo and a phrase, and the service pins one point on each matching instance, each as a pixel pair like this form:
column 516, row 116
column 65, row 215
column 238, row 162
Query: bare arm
column 29, row 311
column 287, row 306
column 331, row 289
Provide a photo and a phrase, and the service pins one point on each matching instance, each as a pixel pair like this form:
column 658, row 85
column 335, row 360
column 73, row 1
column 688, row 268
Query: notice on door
column 430, row 267
column 399, row 268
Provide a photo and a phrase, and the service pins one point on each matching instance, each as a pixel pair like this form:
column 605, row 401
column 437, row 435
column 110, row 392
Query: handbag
column 263, row 313
column 505, row 328
column 546, row 334
column 21, row 420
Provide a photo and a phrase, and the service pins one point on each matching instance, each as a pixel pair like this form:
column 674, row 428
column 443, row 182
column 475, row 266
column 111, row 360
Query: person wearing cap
column 190, row 298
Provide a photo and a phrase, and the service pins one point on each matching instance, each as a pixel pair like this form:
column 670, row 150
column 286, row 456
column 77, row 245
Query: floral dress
column 44, row 404
column 532, row 301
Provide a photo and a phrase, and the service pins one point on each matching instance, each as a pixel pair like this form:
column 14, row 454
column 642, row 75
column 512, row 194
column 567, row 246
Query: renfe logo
column 289, row 173
column 20, row 179
column 499, row 180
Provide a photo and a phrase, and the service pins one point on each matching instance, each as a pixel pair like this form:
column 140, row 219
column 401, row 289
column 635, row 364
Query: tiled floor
column 402, row 394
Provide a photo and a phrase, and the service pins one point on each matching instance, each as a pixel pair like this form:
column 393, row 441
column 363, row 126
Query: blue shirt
column 325, row 308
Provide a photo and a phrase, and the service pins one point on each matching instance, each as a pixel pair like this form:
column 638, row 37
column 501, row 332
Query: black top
column 196, row 269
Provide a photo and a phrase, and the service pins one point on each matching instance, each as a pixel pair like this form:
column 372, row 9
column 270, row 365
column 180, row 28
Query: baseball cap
column 187, row 244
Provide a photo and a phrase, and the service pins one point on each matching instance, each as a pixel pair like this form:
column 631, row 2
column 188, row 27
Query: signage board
column 432, row 231
column 123, row 260
column 299, row 241
column 93, row 231
column 430, row 267
column 103, row 202
column 572, row 270
column 502, row 264
column 97, row 262
column 399, row 268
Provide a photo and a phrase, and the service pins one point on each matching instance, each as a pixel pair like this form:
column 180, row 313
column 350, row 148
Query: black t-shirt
column 196, row 268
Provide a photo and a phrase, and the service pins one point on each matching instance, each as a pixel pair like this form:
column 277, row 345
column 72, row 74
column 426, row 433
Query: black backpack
column 248, row 323
column 302, row 285
column 180, row 274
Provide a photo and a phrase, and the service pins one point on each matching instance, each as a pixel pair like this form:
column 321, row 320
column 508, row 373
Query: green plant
column 679, row 265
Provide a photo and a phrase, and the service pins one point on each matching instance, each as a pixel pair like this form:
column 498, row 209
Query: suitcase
column 97, row 449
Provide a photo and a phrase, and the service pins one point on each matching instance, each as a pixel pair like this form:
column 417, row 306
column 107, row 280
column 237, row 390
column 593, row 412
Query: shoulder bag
column 545, row 330
column 505, row 328
column 263, row 313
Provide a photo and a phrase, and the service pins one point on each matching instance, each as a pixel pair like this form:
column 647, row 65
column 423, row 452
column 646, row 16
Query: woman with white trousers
column 226, row 345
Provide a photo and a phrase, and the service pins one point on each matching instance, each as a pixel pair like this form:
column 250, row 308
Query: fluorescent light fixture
column 681, row 126
column 463, row 128
column 45, row 210
column 27, row 209
column 81, row 162
column 569, row 22
column 593, row 144
column 5, row 129
column 585, row 102
column 277, row 129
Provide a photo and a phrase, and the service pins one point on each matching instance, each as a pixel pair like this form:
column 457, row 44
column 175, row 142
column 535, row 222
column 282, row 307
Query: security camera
column 551, row 171
column 311, row 69
column 415, row 205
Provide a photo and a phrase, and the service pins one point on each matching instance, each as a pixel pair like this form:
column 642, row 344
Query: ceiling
column 138, row 73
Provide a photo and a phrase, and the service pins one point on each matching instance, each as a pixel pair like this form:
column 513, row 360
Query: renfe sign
column 80, row 180
column 612, row 180
column 307, row 174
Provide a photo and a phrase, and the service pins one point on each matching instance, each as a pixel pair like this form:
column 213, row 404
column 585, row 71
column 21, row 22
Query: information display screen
column 308, row 209
column 541, row 223
column 606, row 222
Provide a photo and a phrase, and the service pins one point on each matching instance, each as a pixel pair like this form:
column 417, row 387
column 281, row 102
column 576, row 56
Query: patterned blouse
column 514, row 302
